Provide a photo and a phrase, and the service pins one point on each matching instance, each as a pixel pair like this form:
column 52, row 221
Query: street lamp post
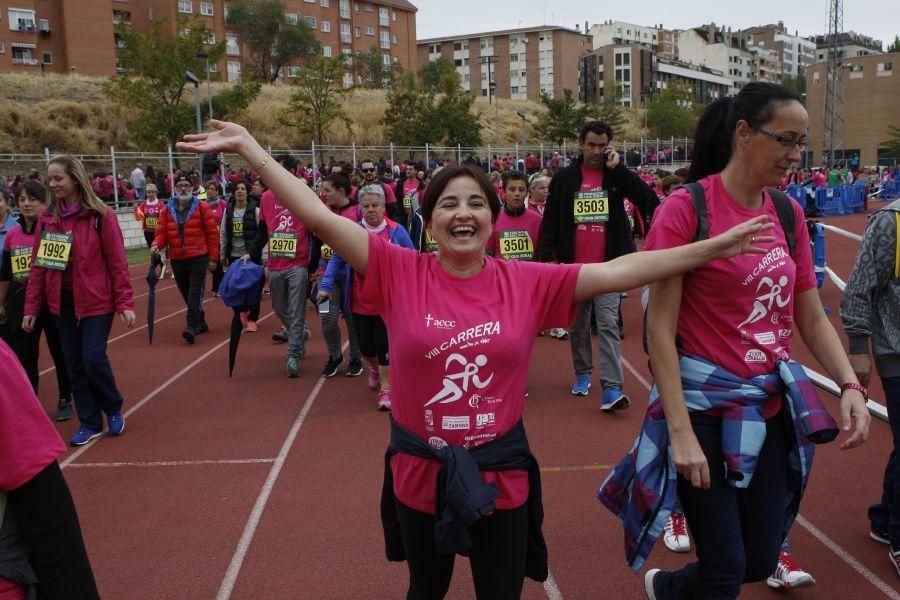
column 205, row 57
column 193, row 79
column 522, row 115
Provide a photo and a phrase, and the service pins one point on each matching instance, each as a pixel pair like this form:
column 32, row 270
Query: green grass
column 138, row 256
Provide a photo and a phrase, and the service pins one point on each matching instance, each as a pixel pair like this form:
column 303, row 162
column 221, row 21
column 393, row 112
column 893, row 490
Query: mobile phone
column 325, row 306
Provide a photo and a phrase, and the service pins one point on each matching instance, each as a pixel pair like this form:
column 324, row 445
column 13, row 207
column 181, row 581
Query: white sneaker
column 788, row 574
column 675, row 535
column 649, row 576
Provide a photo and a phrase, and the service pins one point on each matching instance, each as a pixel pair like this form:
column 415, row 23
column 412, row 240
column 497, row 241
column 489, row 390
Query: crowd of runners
column 487, row 258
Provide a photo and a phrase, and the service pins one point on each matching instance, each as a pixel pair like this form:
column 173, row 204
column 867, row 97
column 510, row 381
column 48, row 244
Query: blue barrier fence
column 891, row 189
column 840, row 200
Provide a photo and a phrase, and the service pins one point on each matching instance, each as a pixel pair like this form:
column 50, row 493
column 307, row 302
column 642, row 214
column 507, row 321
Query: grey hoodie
column 871, row 304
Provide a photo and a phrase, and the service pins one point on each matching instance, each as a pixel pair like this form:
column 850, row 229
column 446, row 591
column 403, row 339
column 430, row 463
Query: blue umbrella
column 241, row 287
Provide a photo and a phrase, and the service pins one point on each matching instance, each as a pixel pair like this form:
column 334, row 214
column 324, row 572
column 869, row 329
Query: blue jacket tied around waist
column 641, row 489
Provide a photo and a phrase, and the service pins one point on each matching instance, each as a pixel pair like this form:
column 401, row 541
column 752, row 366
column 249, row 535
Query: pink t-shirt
column 358, row 303
column 819, row 179
column 736, row 312
column 460, row 350
column 515, row 238
column 28, row 440
column 19, row 246
column 286, row 233
column 591, row 217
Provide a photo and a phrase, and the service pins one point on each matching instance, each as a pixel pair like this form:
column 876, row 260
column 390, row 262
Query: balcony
column 26, row 61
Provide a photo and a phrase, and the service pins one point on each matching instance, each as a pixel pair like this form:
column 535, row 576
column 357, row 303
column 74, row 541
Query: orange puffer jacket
column 200, row 235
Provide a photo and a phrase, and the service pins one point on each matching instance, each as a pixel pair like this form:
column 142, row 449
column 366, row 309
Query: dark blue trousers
column 84, row 344
column 737, row 532
column 885, row 516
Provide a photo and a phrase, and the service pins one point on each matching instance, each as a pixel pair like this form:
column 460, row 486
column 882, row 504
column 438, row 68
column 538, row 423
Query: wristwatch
column 850, row 385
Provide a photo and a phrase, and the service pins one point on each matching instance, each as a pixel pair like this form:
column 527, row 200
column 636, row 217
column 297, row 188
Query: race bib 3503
column 591, row 207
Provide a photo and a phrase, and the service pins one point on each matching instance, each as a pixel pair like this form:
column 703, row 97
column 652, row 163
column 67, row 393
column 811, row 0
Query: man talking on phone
column 585, row 222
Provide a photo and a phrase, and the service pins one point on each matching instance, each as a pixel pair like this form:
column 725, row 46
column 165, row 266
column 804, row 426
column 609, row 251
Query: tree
column 314, row 107
column 432, row 73
column 410, row 116
column 563, row 118
column 672, row 112
column 371, row 69
column 796, row 84
column 271, row 41
column 455, row 113
column 895, row 45
column 610, row 109
column 893, row 142
column 153, row 82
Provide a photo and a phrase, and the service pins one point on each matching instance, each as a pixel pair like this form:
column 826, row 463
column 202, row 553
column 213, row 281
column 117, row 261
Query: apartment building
column 524, row 63
column 80, row 34
column 849, row 45
column 640, row 72
column 871, row 86
column 721, row 50
column 795, row 53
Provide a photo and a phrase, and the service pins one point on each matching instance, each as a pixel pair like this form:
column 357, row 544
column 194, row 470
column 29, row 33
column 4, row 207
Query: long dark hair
column 755, row 104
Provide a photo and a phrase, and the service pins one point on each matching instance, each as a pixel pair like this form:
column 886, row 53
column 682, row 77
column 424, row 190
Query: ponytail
column 755, row 104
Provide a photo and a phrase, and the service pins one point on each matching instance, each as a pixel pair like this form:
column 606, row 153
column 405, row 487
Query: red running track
column 266, row 487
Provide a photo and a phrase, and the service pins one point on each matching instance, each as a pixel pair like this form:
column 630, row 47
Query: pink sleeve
column 34, row 291
column 390, row 197
column 493, row 242
column 391, row 268
column 28, row 440
column 674, row 223
column 114, row 251
column 806, row 274
column 552, row 292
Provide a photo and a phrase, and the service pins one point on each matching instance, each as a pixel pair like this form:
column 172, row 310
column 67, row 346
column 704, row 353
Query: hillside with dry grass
column 69, row 113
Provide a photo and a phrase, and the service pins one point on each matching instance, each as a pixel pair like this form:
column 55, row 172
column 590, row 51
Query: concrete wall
column 132, row 232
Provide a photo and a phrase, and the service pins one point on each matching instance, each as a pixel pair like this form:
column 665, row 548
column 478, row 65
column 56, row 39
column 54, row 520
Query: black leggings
column 372, row 336
column 50, row 528
column 498, row 555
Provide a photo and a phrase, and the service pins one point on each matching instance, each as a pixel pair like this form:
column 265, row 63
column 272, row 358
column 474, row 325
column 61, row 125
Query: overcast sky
column 438, row 18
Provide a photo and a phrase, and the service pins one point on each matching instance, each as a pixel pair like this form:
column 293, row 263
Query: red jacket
column 98, row 264
column 201, row 235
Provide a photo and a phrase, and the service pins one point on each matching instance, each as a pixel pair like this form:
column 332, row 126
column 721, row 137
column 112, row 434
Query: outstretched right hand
column 228, row 137
column 689, row 459
column 28, row 323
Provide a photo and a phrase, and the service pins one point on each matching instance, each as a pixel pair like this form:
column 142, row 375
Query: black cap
column 184, row 178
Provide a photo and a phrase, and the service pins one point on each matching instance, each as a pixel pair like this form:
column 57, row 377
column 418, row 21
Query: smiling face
column 461, row 222
column 372, row 209
column 61, row 184
column 30, row 206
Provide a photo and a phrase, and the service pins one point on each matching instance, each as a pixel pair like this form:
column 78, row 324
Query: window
column 325, row 3
column 383, row 19
column 356, row 7
column 357, row 31
column 385, row 39
column 44, row 25
column 345, row 9
column 513, row 58
column 47, row 57
column 21, row 56
column 386, row 60
column 348, row 80
column 234, row 70
column 213, row 68
column 626, row 59
column 186, row 6
column 370, row 30
column 325, row 26
column 457, row 45
column 21, row 20
column 514, row 89
column 206, row 9
column 348, row 57
column 394, row 16
column 291, row 18
column 232, row 48
column 395, row 39
column 293, row 70
column 310, row 22
column 367, row 6
column 434, row 49
column 326, row 51
column 210, row 38
column 224, row 12
column 457, row 62
column 345, row 33
column 2, row 47
column 885, row 67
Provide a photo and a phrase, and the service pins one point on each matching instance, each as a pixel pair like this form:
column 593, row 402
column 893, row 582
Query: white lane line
column 82, row 449
column 551, row 588
column 171, row 287
column 240, row 553
column 173, row 463
column 132, row 331
column 848, row 558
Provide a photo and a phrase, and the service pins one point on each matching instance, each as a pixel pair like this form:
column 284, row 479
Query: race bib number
column 283, row 245
column 516, row 245
column 326, row 252
column 237, row 227
column 591, row 207
column 631, row 222
column 150, row 222
column 53, row 251
column 407, row 202
column 21, row 262
column 430, row 243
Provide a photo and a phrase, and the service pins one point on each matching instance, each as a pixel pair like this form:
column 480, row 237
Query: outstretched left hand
column 743, row 238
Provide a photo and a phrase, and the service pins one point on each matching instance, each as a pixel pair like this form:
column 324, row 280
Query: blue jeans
column 885, row 516
column 738, row 532
column 84, row 345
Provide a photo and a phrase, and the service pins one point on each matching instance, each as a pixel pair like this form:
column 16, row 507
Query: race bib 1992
column 283, row 245
column 21, row 262
column 53, row 251
column 516, row 245
column 591, row 207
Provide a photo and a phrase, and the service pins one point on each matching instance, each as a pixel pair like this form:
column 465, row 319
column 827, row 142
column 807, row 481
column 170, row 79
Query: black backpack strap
column 784, row 206
column 699, row 199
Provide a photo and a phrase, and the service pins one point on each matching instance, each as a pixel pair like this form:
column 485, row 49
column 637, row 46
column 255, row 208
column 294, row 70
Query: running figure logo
column 763, row 303
column 457, row 383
